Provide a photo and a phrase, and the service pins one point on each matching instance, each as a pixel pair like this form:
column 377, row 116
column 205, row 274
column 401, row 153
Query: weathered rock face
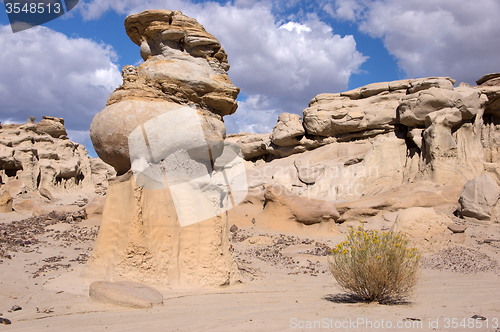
column 52, row 126
column 383, row 138
column 479, row 200
column 5, row 202
column 184, row 66
column 426, row 228
column 40, row 156
column 141, row 239
column 305, row 210
column 164, row 220
column 340, row 116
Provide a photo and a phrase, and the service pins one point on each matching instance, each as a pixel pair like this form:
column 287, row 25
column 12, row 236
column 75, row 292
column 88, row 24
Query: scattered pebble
column 460, row 259
column 272, row 253
column 4, row 321
column 22, row 234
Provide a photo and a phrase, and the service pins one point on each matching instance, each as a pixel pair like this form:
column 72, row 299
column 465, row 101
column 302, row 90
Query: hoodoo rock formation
column 164, row 220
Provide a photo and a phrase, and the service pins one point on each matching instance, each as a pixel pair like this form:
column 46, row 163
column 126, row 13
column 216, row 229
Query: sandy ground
column 286, row 286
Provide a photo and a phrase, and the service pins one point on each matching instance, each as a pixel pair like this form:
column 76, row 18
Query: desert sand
column 286, row 285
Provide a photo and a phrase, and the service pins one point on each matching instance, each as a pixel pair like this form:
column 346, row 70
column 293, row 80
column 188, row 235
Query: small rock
column 46, row 193
column 478, row 317
column 6, row 202
column 125, row 293
column 233, row 229
column 4, row 321
column 16, row 308
column 457, row 228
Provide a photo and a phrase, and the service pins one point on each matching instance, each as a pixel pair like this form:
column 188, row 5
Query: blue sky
column 282, row 53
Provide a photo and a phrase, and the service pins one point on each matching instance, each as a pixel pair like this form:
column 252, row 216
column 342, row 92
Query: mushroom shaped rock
column 164, row 221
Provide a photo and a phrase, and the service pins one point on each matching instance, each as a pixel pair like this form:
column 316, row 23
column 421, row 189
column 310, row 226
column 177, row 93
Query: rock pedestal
column 141, row 240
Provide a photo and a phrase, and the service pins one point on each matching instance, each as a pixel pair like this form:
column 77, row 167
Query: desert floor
column 286, row 285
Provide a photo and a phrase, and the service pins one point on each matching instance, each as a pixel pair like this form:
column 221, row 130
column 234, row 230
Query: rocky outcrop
column 52, row 126
column 40, row 157
column 383, row 138
column 164, row 221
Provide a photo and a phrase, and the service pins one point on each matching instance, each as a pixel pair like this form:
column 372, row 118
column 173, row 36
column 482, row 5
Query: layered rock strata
column 403, row 137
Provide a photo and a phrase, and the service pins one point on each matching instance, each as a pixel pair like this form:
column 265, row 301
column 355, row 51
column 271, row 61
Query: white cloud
column 46, row 73
column 456, row 38
column 290, row 26
column 254, row 115
column 285, row 63
column 345, row 9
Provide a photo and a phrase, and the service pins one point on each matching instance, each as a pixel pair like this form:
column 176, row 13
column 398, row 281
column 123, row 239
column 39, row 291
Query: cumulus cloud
column 255, row 115
column 279, row 64
column 428, row 38
column 46, row 73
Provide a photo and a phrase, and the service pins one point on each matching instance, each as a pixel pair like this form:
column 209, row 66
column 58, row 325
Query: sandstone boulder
column 52, row 126
column 426, row 228
column 340, row 116
column 5, row 202
column 252, row 145
column 415, row 107
column 288, row 131
column 479, row 198
column 418, row 84
column 489, row 79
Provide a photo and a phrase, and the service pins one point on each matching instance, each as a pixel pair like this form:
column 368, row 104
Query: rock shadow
column 347, row 298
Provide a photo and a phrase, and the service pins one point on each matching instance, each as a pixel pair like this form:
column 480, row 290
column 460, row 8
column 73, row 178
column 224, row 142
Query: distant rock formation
column 40, row 157
column 166, row 118
column 414, row 138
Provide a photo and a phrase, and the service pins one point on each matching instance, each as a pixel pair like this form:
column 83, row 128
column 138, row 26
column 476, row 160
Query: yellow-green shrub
column 375, row 266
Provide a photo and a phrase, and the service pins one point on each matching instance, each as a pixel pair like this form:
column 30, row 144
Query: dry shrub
column 375, row 266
